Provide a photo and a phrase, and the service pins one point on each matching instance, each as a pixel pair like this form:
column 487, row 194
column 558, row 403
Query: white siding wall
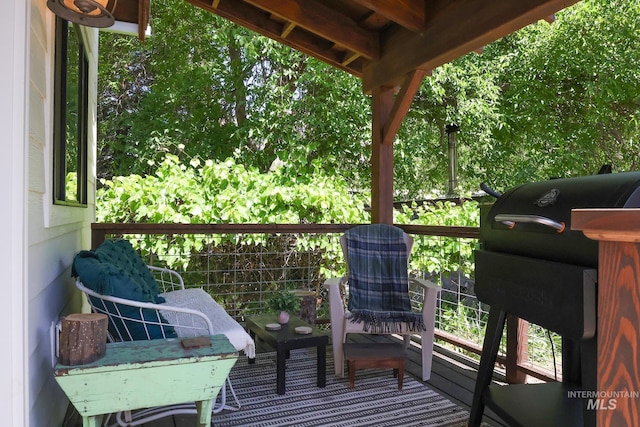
column 13, row 51
column 38, row 239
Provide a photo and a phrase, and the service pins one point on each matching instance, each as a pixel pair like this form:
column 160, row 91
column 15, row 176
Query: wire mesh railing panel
column 448, row 261
column 241, row 270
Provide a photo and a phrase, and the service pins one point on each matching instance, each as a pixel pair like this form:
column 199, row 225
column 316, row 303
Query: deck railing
column 240, row 264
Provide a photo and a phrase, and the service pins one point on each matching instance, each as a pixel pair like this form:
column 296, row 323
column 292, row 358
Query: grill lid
column 534, row 219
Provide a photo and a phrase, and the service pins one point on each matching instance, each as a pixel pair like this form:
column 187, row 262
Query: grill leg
column 579, row 367
column 492, row 337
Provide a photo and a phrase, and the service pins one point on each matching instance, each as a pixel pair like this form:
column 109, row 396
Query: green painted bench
column 142, row 374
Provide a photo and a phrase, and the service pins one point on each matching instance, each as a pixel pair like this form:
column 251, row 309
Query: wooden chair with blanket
column 145, row 302
column 377, row 292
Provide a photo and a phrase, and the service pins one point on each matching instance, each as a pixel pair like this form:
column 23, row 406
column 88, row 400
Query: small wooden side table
column 383, row 355
column 142, row 374
column 286, row 339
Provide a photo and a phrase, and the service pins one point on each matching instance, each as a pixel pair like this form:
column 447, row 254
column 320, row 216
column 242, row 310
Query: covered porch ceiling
column 388, row 44
column 381, row 41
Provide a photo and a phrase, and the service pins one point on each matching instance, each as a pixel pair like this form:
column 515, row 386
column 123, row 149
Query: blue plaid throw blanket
column 379, row 279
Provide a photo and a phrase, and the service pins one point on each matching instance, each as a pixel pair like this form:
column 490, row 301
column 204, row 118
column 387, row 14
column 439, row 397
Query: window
column 70, row 126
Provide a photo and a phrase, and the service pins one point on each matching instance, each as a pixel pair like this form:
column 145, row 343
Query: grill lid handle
column 510, row 220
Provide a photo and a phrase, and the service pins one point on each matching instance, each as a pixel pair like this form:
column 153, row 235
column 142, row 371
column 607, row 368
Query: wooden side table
column 286, row 339
column 142, row 374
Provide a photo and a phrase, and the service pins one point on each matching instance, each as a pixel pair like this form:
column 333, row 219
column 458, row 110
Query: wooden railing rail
column 100, row 230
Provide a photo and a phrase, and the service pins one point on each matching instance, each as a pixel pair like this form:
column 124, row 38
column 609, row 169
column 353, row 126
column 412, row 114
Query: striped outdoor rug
column 375, row 401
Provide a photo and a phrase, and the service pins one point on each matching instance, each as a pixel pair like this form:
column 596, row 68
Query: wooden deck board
column 450, row 378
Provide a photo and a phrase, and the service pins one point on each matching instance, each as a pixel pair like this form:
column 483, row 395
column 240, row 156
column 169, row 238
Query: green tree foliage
column 464, row 93
column 571, row 99
column 203, row 87
column 552, row 100
column 556, row 99
column 227, row 192
column 441, row 254
column 214, row 192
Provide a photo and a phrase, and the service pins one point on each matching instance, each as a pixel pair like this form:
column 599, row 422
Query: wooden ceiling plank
column 258, row 21
column 215, row 3
column 483, row 21
column 319, row 19
column 407, row 13
column 401, row 105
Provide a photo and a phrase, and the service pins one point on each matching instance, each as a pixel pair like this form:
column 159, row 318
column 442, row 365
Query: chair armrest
column 124, row 314
column 430, row 293
column 425, row 284
column 333, row 281
column 168, row 280
column 337, row 304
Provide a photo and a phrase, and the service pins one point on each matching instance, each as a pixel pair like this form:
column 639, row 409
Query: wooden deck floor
column 451, row 376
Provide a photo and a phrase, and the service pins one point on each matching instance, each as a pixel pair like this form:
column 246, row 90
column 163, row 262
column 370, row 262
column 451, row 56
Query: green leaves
column 555, row 99
column 227, row 192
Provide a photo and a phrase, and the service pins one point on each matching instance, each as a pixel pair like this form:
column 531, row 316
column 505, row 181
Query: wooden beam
column 408, row 13
column 618, row 365
column 381, row 158
column 373, row 20
column 143, row 18
column 288, row 27
column 454, row 28
column 349, row 57
column 401, row 105
column 319, row 19
column 258, row 21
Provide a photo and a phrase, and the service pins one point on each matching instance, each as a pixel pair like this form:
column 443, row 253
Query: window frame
column 60, row 113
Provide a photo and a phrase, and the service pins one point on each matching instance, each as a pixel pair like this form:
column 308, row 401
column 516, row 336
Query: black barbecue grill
column 532, row 265
column 534, row 220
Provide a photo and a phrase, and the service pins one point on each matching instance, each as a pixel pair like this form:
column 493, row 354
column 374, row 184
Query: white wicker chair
column 164, row 318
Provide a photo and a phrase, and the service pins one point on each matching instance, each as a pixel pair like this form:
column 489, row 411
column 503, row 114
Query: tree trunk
column 83, row 338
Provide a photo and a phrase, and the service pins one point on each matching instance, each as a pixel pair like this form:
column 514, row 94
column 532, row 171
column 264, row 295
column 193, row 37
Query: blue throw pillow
column 131, row 321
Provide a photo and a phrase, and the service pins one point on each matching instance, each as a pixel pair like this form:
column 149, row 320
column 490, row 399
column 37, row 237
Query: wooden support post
column 618, row 336
column 401, row 105
column 83, row 338
column 97, row 237
column 517, row 349
column 388, row 113
column 381, row 158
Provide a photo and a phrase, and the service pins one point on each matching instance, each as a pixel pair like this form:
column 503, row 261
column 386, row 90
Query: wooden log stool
column 386, row 355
